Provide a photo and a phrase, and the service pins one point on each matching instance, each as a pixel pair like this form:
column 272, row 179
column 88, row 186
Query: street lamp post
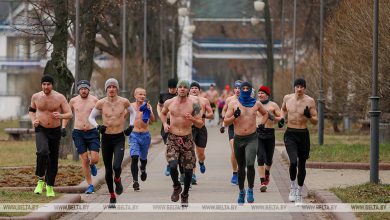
column 375, row 113
column 320, row 99
column 77, row 46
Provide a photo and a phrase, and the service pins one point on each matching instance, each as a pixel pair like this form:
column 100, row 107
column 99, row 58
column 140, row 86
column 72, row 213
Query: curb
column 325, row 196
column 338, row 165
column 67, row 198
column 97, row 181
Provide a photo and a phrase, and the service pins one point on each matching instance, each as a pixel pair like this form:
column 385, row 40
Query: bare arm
column 65, row 121
column 195, row 118
column 229, row 117
column 284, row 108
column 313, row 112
column 152, row 117
column 32, row 112
column 164, row 115
column 263, row 112
column 209, row 111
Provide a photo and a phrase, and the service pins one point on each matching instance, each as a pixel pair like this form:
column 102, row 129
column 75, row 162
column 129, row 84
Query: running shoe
column 263, row 187
column 266, row 179
column 176, row 193
column 298, row 200
column 50, row 191
column 193, row 179
column 234, row 179
column 292, row 194
column 250, row 198
column 112, row 203
column 39, row 188
column 90, row 189
column 202, row 168
column 167, row 170
column 241, row 197
column 144, row 175
column 93, row 169
column 136, row 186
column 118, row 186
column 184, row 200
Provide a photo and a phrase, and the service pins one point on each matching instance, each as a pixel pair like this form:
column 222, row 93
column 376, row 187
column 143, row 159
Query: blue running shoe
column 90, row 189
column 241, row 197
column 202, row 168
column 93, row 169
column 168, row 171
column 234, row 180
column 250, row 198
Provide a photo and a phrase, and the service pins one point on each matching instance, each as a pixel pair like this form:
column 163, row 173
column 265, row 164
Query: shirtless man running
column 85, row 136
column 113, row 109
column 46, row 111
column 237, row 84
column 241, row 112
column 299, row 108
column 212, row 95
column 200, row 134
column 266, row 137
column 139, row 139
column 184, row 112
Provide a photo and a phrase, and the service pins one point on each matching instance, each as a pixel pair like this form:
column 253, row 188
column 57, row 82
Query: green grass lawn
column 366, row 193
column 23, row 197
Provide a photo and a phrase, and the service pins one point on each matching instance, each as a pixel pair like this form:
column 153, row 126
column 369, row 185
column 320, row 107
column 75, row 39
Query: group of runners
column 183, row 111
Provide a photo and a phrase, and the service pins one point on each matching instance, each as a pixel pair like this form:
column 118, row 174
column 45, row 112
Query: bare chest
column 83, row 107
column 179, row 110
column 296, row 106
column 113, row 109
column 50, row 104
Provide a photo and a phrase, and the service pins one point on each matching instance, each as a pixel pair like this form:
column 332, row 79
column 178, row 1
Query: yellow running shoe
column 39, row 188
column 50, row 191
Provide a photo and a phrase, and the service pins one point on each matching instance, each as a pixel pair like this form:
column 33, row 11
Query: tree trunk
column 56, row 67
column 88, row 30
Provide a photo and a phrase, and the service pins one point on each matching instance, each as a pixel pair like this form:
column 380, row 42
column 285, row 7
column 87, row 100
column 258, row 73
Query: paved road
column 213, row 187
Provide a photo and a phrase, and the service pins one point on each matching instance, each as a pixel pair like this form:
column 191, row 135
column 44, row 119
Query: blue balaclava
column 245, row 97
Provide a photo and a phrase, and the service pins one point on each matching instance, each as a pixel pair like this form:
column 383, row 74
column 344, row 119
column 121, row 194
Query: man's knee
column 134, row 158
column 173, row 164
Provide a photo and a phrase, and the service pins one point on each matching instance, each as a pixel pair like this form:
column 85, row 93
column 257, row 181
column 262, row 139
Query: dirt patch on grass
column 69, row 175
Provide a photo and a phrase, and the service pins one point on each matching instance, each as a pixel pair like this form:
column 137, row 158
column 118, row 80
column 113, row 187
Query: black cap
column 300, row 82
column 245, row 84
column 172, row 83
column 196, row 84
column 47, row 78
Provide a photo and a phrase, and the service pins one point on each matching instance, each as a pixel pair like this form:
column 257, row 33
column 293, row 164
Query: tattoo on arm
column 196, row 108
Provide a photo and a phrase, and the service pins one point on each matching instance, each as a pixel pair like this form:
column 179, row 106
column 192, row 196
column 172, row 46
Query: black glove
column 271, row 116
column 101, row 129
column 306, row 112
column 281, row 123
column 260, row 128
column 63, row 132
column 222, row 130
column 204, row 116
column 237, row 112
column 128, row 130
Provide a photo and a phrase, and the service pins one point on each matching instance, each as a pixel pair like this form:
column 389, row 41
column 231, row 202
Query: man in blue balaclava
column 242, row 113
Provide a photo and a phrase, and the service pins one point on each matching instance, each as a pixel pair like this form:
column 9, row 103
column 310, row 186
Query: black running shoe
column 144, row 175
column 112, row 203
column 136, row 186
column 118, row 187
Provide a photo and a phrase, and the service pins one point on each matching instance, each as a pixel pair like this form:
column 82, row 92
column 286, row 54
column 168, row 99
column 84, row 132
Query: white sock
column 293, row 184
column 300, row 189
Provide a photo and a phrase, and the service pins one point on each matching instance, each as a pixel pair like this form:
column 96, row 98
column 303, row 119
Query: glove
column 222, row 130
column 101, row 129
column 281, row 123
column 271, row 116
column 128, row 130
column 204, row 116
column 306, row 112
column 237, row 112
column 63, row 132
column 260, row 128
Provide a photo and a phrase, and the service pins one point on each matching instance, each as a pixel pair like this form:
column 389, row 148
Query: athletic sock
column 300, row 189
column 266, row 172
column 201, row 163
column 234, row 173
column 293, row 184
column 262, row 180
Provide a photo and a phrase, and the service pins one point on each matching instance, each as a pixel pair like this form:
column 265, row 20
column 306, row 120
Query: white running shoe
column 292, row 195
column 298, row 200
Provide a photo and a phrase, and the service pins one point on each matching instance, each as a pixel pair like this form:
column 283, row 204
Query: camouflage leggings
column 181, row 149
